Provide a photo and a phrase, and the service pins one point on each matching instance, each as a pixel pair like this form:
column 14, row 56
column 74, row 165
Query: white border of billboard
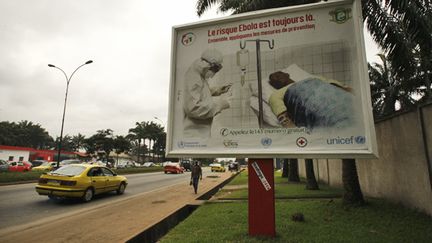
column 320, row 45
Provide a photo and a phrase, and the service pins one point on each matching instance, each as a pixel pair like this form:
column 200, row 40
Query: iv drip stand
column 258, row 56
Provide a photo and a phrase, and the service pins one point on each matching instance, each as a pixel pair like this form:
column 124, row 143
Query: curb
column 158, row 230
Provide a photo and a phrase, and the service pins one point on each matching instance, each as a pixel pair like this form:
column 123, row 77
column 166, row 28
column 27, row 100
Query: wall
column 4, row 154
column 402, row 173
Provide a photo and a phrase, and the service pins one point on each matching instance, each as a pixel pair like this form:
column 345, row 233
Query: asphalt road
column 20, row 204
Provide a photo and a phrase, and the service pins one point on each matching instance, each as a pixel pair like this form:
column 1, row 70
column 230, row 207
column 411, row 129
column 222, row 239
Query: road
column 20, row 204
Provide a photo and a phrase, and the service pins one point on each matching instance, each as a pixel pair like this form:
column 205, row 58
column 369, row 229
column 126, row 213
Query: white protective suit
column 198, row 103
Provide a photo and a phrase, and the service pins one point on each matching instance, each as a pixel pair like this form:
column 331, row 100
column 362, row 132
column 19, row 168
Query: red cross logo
column 301, row 142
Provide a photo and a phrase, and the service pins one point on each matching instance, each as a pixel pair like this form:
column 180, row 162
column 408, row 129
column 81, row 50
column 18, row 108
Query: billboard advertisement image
column 275, row 83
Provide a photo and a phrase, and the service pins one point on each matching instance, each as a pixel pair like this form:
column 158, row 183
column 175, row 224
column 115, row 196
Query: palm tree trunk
column 293, row 175
column 352, row 194
column 285, row 168
column 310, row 175
column 139, row 150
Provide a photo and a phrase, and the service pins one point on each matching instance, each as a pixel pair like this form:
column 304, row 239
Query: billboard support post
column 261, row 202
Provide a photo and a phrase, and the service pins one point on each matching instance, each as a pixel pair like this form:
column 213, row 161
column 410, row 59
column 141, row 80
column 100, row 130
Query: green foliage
column 150, row 131
column 25, row 134
column 325, row 221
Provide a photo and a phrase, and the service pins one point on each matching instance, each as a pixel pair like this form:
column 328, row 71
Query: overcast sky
column 129, row 42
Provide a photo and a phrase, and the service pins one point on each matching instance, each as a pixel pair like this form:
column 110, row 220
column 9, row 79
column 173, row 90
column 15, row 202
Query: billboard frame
column 371, row 152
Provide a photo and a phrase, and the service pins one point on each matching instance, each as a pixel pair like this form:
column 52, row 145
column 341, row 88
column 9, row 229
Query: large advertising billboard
column 288, row 82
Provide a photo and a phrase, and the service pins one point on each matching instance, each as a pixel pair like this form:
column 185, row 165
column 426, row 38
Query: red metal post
column 261, row 198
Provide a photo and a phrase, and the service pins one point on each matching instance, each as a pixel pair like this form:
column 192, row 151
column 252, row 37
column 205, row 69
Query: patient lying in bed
column 299, row 99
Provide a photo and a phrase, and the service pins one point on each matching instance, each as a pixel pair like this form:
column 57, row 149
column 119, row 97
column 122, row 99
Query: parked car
column 47, row 166
column 20, row 166
column 148, row 164
column 173, row 168
column 217, row 168
column 4, row 165
column 127, row 164
column 70, row 161
column 80, row 181
column 37, row 162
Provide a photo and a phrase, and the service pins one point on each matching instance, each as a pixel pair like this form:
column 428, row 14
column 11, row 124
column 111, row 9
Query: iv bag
column 243, row 58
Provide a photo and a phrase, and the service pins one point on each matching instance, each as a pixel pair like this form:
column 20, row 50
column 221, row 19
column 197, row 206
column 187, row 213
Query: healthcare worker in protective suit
column 200, row 103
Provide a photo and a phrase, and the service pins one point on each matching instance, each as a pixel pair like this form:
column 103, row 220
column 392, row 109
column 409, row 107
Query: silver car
column 4, row 166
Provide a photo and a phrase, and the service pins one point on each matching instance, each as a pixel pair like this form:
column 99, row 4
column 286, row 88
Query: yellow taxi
column 217, row 168
column 45, row 166
column 80, row 181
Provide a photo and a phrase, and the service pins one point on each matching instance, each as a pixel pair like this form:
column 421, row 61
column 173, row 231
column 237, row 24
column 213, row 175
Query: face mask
column 209, row 74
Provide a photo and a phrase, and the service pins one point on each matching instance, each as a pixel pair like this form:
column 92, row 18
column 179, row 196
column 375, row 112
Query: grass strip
column 237, row 189
column 325, row 221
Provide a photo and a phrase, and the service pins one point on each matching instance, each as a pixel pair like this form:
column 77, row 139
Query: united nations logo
column 180, row 144
column 266, row 142
column 340, row 15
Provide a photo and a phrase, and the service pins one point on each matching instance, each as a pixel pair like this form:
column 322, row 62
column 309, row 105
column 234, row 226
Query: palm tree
column 293, row 175
column 121, row 145
column 78, row 142
column 285, row 168
column 352, row 192
column 311, row 182
column 140, row 132
column 389, row 90
column 403, row 30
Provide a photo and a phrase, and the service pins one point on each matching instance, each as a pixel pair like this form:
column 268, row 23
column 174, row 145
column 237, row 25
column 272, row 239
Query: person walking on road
column 196, row 175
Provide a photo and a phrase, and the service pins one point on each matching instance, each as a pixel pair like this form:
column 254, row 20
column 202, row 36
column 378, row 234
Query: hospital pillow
column 296, row 73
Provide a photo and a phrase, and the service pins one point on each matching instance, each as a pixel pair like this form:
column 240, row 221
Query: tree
column 138, row 133
column 403, row 30
column 293, row 175
column 67, row 143
column 25, row 134
column 352, row 191
column 78, row 142
column 389, row 90
column 102, row 141
column 159, row 145
column 121, row 145
column 311, row 182
column 285, row 168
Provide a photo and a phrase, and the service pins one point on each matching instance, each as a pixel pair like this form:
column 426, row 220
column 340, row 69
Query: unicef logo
column 360, row 139
column 188, row 39
column 266, row 142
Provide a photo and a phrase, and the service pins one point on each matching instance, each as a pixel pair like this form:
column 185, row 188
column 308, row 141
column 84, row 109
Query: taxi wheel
column 121, row 189
column 88, row 195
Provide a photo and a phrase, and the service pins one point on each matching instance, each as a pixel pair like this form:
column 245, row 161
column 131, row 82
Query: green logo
column 340, row 15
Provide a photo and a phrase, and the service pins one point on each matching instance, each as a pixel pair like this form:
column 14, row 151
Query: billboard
column 288, row 82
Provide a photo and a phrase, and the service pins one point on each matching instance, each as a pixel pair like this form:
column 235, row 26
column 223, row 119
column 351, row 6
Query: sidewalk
column 119, row 222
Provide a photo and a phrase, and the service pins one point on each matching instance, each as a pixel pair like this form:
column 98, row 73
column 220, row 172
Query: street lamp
column 64, row 107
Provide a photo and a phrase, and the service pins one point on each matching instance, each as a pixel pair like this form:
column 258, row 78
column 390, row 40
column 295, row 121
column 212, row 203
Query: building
column 15, row 153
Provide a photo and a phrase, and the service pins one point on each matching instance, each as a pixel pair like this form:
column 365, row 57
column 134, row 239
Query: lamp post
column 68, row 79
